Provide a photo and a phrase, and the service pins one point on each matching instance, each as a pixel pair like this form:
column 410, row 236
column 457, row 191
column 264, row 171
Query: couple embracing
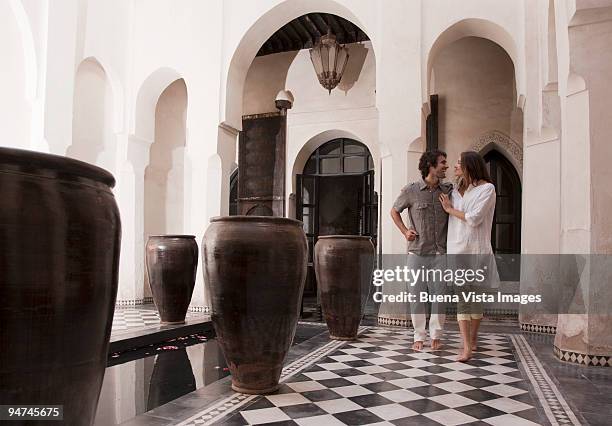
column 447, row 219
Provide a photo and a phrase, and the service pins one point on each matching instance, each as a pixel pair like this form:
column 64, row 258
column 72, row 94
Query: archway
column 93, row 137
column 479, row 28
column 476, row 89
column 473, row 69
column 255, row 37
column 335, row 196
column 164, row 174
column 506, row 230
column 233, row 194
column 283, row 63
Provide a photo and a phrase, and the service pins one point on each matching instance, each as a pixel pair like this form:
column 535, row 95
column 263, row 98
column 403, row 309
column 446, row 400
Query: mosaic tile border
column 236, row 400
column 451, row 314
column 394, row 322
column 537, row 328
column 583, row 359
column 134, row 302
column 203, row 309
column 555, row 407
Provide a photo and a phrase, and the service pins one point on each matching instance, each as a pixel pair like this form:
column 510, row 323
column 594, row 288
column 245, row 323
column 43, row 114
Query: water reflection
column 172, row 377
column 137, row 386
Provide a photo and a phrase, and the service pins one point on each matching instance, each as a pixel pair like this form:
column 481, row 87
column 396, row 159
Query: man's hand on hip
column 411, row 235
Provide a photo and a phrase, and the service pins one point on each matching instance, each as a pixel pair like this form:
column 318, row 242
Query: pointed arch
column 505, row 145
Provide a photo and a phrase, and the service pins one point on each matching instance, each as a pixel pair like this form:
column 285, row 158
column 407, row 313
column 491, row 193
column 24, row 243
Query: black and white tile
column 379, row 380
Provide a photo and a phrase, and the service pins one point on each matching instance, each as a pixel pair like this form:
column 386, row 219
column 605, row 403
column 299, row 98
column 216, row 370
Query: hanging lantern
column 329, row 60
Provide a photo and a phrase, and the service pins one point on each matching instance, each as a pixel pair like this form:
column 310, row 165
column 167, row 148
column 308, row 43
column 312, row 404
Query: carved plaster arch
column 504, row 144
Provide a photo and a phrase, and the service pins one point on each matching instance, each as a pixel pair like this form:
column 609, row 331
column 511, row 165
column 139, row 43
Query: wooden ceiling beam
column 302, row 30
column 277, row 43
column 291, row 43
column 295, row 35
column 338, row 30
column 320, row 22
column 349, row 28
column 312, row 28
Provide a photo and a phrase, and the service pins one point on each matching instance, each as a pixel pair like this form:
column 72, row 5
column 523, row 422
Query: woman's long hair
column 474, row 169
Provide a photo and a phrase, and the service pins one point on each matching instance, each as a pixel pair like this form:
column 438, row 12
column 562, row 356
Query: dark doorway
column 233, row 195
column 506, row 230
column 335, row 196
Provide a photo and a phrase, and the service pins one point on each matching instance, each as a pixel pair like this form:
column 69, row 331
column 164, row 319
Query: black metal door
column 307, row 212
column 506, row 230
column 340, row 205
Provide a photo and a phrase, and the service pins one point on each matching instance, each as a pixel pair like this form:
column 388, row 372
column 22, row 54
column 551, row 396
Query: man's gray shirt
column 425, row 215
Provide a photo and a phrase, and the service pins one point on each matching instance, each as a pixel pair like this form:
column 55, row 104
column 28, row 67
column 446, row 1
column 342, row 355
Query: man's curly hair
column 429, row 159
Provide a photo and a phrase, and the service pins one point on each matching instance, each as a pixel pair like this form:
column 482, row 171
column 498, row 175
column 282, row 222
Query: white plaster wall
column 62, row 62
column 592, row 59
column 397, row 42
column 15, row 114
column 474, row 80
column 267, row 76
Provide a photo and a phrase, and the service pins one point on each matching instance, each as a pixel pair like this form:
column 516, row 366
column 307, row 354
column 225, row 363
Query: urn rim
column 27, row 162
column 257, row 219
column 172, row 236
column 344, row 237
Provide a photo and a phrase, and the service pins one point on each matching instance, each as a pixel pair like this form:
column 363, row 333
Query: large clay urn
column 343, row 266
column 59, row 257
column 255, row 268
column 172, row 261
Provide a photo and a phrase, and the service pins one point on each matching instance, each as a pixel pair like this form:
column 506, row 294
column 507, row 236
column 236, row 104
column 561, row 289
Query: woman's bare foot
column 465, row 356
column 417, row 345
column 474, row 345
column 436, row 344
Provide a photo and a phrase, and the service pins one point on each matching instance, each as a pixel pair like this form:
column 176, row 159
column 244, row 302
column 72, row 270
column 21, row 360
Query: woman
column 469, row 233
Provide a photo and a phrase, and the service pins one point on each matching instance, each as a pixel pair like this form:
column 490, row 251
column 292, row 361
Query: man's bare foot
column 417, row 345
column 436, row 344
column 465, row 356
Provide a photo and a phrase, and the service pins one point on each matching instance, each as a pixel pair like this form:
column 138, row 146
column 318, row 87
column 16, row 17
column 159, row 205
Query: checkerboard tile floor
column 135, row 318
column 379, row 380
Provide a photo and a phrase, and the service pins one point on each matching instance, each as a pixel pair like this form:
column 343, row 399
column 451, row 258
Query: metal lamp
column 329, row 59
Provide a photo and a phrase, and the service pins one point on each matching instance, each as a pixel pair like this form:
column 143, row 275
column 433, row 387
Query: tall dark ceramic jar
column 172, row 261
column 255, row 268
column 343, row 266
column 59, row 257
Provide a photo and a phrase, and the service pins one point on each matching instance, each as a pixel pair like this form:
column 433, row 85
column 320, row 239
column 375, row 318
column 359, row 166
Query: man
column 426, row 236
